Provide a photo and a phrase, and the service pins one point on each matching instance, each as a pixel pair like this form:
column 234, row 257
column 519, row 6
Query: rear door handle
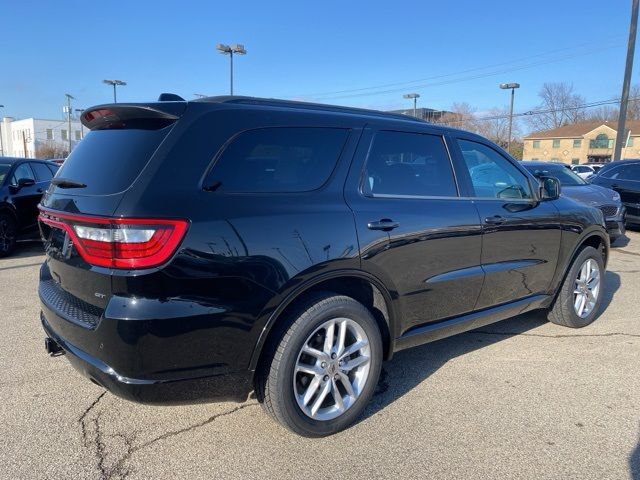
column 384, row 224
column 495, row 220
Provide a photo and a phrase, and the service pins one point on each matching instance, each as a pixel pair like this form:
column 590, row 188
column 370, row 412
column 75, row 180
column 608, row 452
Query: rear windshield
column 565, row 175
column 277, row 159
column 108, row 161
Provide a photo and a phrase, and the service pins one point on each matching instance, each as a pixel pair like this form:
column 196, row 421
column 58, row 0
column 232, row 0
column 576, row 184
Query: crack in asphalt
column 567, row 335
column 118, row 469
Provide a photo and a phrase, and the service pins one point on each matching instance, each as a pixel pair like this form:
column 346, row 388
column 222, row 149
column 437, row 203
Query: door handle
column 384, row 224
column 495, row 220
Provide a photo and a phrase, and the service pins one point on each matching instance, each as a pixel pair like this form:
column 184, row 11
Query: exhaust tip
column 52, row 347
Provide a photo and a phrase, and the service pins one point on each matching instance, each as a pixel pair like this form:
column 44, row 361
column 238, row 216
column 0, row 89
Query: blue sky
column 446, row 51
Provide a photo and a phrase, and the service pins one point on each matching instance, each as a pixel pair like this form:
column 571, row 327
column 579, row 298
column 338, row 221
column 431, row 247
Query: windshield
column 565, row 175
column 4, row 169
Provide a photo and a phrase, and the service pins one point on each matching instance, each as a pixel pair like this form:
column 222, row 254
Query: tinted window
column 108, row 161
column 270, row 160
column 409, row 164
column 492, row 175
column 624, row 172
column 22, row 171
column 42, row 172
column 53, row 168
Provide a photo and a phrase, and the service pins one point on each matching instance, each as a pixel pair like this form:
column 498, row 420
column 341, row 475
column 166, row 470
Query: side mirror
column 549, row 188
column 26, row 182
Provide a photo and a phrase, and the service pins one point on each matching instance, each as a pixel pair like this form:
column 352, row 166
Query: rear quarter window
column 277, row 160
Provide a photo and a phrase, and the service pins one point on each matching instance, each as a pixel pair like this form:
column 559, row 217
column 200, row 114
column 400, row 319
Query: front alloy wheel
column 587, row 288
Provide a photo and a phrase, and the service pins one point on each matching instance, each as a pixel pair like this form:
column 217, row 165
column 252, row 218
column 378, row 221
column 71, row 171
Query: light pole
column 69, row 98
column 1, row 124
column 415, row 97
column 114, row 84
column 230, row 50
column 79, row 112
column 200, row 95
column 512, row 86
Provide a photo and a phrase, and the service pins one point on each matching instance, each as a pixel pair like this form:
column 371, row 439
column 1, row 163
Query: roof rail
column 304, row 105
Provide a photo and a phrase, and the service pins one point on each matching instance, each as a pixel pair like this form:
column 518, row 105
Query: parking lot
column 519, row 399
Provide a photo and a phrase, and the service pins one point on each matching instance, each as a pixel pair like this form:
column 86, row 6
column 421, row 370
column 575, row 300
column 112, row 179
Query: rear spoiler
column 147, row 116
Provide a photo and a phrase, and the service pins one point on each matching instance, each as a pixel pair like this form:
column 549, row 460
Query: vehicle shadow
column 411, row 367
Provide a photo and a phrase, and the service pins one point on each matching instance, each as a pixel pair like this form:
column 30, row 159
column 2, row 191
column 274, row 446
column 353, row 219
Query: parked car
column 583, row 171
column 22, row 183
column 623, row 176
column 201, row 250
column 575, row 187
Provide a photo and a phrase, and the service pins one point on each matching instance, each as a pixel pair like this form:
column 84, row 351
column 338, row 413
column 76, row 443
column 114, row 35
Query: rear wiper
column 66, row 183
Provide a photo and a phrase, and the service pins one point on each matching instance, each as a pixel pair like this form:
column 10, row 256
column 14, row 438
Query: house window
column 78, row 135
column 64, row 135
column 556, row 143
column 575, row 161
column 601, row 141
column 536, row 144
column 630, row 142
column 577, row 143
column 49, row 134
column 610, row 143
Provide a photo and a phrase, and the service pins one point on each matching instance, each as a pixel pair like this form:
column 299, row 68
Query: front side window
column 277, row 160
column 624, row 172
column 408, row 164
column 492, row 175
column 22, row 171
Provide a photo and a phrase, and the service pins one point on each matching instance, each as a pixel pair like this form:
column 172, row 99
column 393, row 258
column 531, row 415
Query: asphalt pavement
column 519, row 399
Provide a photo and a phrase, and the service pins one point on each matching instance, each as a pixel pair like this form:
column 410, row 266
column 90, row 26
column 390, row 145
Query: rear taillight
column 119, row 242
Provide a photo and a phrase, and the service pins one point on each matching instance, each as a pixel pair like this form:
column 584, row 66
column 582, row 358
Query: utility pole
column 79, row 112
column 512, row 86
column 24, row 144
column 622, row 119
column 69, row 98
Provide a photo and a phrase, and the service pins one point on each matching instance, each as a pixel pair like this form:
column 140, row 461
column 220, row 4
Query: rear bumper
column 229, row 386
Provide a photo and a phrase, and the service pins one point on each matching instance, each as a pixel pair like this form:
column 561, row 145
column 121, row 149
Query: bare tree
column 561, row 106
column 604, row 113
column 462, row 116
column 495, row 126
column 50, row 150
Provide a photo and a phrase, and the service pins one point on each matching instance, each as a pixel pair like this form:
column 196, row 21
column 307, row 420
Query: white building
column 35, row 137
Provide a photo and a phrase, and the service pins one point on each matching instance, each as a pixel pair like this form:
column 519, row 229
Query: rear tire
column 580, row 295
column 8, row 231
column 324, row 369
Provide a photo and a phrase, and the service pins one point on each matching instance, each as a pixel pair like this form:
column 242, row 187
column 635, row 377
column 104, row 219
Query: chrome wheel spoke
column 324, row 391
column 328, row 338
column 354, row 362
column 353, row 348
column 342, row 333
column 311, row 390
column 313, row 352
column 310, row 369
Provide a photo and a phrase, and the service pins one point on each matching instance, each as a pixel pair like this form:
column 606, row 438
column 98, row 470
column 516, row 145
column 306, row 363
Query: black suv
column 203, row 250
column 22, row 183
column 622, row 176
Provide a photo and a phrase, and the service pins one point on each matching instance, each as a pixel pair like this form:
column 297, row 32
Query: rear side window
column 22, row 171
column 42, row 172
column 278, row 159
column 108, row 161
column 408, row 164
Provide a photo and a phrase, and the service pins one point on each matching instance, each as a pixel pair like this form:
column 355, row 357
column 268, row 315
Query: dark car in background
column 623, row 176
column 22, row 183
column 578, row 189
column 202, row 250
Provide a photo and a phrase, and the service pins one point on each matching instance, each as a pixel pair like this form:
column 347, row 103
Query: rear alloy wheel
column 580, row 296
column 325, row 368
column 7, row 234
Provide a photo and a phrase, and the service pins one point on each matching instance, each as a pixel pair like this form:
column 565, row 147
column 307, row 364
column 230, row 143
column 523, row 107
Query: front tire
column 325, row 367
column 580, row 296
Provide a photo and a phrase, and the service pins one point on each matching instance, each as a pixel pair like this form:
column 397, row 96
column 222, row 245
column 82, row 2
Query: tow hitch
column 52, row 347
